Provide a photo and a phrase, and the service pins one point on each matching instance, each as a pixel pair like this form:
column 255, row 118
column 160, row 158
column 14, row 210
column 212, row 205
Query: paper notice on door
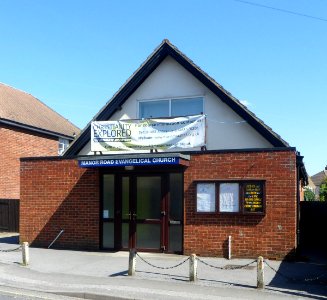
column 105, row 214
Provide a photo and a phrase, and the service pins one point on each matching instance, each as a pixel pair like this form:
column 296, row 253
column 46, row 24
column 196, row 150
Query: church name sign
column 148, row 161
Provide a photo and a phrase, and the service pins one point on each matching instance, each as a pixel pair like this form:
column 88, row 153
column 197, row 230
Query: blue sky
column 74, row 55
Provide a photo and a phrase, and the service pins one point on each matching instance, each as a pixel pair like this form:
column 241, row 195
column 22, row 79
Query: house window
column 62, row 145
column 171, row 107
column 244, row 197
column 154, row 109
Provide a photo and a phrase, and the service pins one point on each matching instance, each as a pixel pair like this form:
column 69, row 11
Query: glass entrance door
column 143, row 212
column 147, row 212
column 142, row 218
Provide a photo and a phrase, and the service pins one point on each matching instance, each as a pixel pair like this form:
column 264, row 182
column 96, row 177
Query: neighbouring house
column 172, row 163
column 27, row 128
column 310, row 186
column 317, row 180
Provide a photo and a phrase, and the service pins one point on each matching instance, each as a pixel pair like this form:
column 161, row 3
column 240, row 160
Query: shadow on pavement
column 123, row 273
column 308, row 276
column 186, row 279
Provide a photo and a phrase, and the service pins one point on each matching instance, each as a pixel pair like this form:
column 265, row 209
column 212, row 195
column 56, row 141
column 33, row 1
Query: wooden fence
column 9, row 215
column 313, row 224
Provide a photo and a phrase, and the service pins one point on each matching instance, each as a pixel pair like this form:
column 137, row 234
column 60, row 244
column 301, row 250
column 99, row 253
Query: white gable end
column 225, row 129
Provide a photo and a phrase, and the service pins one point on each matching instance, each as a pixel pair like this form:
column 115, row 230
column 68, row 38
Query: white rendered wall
column 170, row 80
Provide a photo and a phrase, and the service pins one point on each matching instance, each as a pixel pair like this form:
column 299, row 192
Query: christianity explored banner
column 135, row 135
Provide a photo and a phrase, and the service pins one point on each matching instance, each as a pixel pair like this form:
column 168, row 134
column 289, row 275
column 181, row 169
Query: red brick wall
column 17, row 143
column 57, row 194
column 272, row 235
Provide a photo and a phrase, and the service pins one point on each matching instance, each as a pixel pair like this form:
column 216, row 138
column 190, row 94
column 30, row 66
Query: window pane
column 125, row 197
column 175, row 238
column 154, row 109
column 205, row 197
column 148, row 236
column 229, row 197
column 108, row 235
column 176, row 196
column 62, row 145
column 186, row 107
column 125, row 235
column 108, row 196
column 148, row 197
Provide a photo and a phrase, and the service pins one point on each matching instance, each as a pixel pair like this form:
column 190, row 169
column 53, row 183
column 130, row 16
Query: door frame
column 165, row 191
column 133, row 210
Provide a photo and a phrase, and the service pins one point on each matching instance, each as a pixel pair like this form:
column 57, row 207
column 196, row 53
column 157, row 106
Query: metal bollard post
column 131, row 262
column 193, row 267
column 260, row 273
column 25, row 254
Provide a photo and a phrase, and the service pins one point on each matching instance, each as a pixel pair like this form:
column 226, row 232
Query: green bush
column 323, row 191
column 309, row 195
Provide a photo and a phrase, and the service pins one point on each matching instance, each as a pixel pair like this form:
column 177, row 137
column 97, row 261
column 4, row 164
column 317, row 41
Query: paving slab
column 103, row 275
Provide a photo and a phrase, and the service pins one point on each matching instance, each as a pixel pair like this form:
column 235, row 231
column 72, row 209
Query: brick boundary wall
column 272, row 235
column 56, row 194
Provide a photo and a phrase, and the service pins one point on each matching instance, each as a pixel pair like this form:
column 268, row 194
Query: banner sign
column 147, row 161
column 135, row 135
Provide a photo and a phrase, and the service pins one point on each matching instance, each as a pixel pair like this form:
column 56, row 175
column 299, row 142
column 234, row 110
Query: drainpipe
column 297, row 204
column 299, row 168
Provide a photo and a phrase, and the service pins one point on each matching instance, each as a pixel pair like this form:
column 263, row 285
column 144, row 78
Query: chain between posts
column 200, row 260
column 224, row 268
column 162, row 268
column 316, row 278
column 11, row 250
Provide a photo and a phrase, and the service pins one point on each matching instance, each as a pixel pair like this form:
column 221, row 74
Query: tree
column 309, row 195
column 323, row 191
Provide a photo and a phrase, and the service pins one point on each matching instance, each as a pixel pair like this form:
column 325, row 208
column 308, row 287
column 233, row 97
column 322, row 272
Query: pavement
column 64, row 274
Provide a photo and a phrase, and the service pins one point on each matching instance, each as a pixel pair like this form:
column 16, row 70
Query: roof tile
column 20, row 107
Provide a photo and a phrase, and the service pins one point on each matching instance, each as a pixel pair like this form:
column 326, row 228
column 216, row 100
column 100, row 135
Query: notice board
column 253, row 198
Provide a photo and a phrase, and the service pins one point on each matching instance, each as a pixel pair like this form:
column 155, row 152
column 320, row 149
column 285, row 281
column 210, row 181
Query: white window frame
column 169, row 102
column 65, row 143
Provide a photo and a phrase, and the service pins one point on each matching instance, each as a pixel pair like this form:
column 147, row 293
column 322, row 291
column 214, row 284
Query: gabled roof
column 141, row 74
column 319, row 177
column 20, row 109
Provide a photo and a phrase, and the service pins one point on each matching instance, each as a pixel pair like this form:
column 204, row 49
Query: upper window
column 62, row 145
column 171, row 107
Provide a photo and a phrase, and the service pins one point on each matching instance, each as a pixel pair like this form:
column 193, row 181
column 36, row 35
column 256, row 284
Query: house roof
column 310, row 183
column 319, row 177
column 141, row 74
column 21, row 109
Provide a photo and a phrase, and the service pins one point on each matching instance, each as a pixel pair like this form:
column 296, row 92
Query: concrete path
column 103, row 275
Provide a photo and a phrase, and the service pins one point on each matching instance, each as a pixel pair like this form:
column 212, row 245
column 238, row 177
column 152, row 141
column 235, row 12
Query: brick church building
column 222, row 173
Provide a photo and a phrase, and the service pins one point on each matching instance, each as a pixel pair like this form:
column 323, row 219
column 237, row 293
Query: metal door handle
column 174, row 222
column 131, row 215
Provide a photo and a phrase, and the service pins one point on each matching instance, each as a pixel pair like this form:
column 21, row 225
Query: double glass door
column 147, row 212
